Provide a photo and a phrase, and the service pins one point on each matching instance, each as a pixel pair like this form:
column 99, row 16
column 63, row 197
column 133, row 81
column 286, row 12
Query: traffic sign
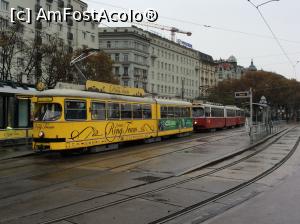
column 242, row 94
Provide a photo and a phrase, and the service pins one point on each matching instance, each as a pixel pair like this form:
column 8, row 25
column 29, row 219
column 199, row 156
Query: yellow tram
column 67, row 119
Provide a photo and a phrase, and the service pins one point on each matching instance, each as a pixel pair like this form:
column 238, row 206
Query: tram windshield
column 198, row 112
column 48, row 112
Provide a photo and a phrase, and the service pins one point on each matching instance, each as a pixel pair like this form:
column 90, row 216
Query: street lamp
column 295, row 69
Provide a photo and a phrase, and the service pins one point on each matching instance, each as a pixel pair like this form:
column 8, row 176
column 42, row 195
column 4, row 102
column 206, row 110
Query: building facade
column 162, row 67
column 229, row 69
column 75, row 35
column 129, row 49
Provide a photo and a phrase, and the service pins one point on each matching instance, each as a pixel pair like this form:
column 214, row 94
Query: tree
column 55, row 63
column 279, row 91
column 98, row 67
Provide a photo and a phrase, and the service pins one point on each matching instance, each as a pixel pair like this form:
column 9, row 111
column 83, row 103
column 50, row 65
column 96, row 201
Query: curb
column 229, row 155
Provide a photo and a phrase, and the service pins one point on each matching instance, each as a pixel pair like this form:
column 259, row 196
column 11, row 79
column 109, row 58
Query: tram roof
column 17, row 90
column 173, row 102
column 95, row 95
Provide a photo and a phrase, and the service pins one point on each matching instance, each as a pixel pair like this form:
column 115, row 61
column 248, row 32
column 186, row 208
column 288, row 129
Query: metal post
column 182, row 88
column 251, row 116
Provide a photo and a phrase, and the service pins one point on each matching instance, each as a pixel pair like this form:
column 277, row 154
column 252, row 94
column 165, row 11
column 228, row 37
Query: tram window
column 48, row 112
column 221, row 111
column 170, row 112
column 177, row 111
column 207, row 111
column 164, row 112
column 230, row 113
column 113, row 110
column 147, row 114
column 75, row 110
column 98, row 111
column 23, row 113
column 186, row 112
column 137, row 111
column 126, row 111
column 213, row 112
column 217, row 112
column 198, row 112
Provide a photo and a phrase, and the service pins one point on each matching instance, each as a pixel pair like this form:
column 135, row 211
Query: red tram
column 209, row 116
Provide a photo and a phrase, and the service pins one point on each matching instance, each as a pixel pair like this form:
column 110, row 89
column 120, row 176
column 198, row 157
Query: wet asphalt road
column 111, row 186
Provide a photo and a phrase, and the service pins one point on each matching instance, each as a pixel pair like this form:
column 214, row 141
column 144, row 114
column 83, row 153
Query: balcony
column 154, row 56
column 125, row 77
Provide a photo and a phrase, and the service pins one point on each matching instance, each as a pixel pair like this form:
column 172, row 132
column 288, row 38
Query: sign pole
column 251, row 116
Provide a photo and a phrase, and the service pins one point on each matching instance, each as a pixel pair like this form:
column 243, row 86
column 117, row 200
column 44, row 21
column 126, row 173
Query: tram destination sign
column 245, row 94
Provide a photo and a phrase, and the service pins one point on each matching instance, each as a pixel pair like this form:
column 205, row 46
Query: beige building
column 162, row 67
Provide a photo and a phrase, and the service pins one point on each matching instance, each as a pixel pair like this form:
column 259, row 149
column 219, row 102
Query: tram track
column 228, row 192
column 61, row 183
column 158, row 189
column 120, row 154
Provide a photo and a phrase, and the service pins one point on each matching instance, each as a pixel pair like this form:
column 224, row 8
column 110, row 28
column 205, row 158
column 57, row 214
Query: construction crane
column 173, row 30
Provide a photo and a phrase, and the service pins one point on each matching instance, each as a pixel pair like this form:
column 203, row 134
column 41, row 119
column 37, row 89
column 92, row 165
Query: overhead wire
column 273, row 34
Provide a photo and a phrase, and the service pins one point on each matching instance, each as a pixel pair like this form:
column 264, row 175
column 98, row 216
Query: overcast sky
column 229, row 21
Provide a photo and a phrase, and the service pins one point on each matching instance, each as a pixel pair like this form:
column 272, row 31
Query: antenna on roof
column 85, row 54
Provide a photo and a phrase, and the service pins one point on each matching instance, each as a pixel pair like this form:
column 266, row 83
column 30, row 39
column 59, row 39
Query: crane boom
column 173, row 30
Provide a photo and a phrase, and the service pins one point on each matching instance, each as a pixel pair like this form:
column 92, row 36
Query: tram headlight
column 41, row 134
column 195, row 122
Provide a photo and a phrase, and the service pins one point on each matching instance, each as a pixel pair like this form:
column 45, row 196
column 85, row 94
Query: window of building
column 113, row 111
column 48, row 7
column 4, row 5
column 20, row 62
column 98, row 111
column 117, row 57
column 75, row 110
column 3, row 23
column 93, row 38
column 125, row 57
column 125, row 70
column 117, row 70
column 108, row 44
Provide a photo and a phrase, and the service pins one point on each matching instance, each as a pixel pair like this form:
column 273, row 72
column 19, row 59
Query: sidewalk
column 279, row 205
